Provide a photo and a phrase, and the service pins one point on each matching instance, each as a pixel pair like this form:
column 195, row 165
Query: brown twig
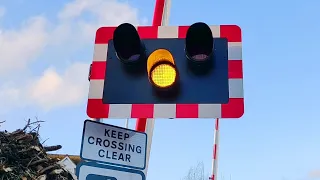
column 37, row 127
column 52, row 148
column 52, row 167
column 38, row 162
column 44, row 141
column 27, row 125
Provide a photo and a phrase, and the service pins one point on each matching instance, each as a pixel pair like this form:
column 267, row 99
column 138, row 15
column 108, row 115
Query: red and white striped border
column 234, row 109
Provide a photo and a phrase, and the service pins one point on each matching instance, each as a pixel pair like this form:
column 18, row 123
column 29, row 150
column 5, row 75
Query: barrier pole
column 214, row 169
column 160, row 18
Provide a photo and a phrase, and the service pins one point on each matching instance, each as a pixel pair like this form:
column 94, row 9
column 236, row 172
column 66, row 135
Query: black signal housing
column 129, row 47
column 199, row 47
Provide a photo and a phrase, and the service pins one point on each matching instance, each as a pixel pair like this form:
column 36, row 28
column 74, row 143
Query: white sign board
column 95, row 171
column 113, row 145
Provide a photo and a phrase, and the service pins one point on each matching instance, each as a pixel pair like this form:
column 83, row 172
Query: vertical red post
column 158, row 13
column 157, row 21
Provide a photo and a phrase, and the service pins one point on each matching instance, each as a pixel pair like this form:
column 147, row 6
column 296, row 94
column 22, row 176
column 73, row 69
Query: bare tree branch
column 196, row 173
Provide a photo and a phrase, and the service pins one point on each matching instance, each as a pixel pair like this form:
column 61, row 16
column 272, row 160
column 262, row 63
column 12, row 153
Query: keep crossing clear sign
column 113, row 145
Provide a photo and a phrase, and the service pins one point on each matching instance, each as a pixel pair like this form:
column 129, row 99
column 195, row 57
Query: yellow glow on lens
column 163, row 75
column 159, row 55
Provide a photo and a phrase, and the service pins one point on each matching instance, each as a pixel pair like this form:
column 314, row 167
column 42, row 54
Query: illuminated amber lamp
column 162, row 71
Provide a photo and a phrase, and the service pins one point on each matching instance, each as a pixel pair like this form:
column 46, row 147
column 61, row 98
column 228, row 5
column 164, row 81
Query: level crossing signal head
column 201, row 64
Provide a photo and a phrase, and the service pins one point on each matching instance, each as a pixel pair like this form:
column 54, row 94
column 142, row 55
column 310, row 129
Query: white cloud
column 49, row 90
column 105, row 12
column 101, row 12
column 53, row 90
column 21, row 46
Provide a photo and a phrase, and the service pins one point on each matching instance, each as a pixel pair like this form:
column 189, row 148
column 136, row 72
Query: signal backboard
column 233, row 109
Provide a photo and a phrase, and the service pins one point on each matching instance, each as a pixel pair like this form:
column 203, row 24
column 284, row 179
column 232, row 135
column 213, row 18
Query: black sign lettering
column 101, row 153
column 128, row 157
column 99, row 140
column 114, row 155
column 113, row 134
column 138, row 149
column 92, row 140
column 121, row 157
column 126, row 136
column 120, row 146
column 115, row 149
column 120, row 134
column 106, row 132
column 106, row 143
column 114, row 144
column 116, row 135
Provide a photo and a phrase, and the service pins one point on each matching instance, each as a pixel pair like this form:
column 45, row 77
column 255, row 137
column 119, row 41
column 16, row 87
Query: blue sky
column 45, row 68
